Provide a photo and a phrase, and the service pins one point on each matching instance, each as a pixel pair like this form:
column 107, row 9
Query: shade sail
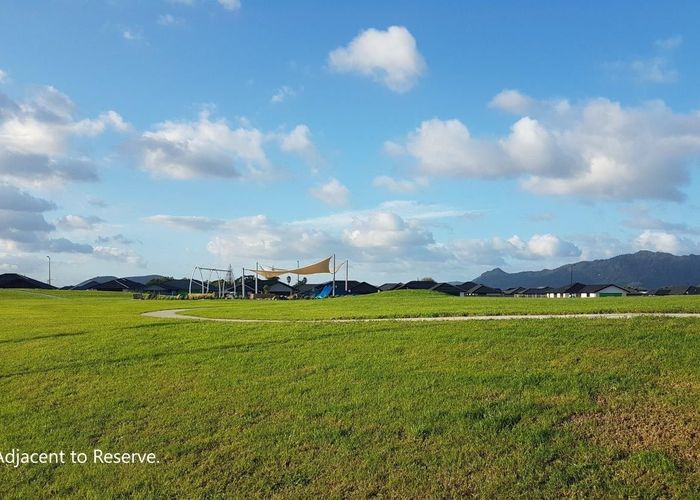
column 323, row 266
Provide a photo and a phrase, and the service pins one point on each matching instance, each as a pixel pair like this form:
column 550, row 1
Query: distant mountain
column 643, row 269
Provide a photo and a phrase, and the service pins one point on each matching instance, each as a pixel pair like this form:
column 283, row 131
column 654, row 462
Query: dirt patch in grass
column 652, row 426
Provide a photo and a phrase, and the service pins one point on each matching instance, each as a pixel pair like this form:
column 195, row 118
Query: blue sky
column 413, row 138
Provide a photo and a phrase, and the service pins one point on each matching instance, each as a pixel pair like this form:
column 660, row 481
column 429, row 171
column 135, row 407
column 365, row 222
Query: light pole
column 49, row 269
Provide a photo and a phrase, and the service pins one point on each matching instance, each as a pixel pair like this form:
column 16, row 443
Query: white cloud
column 399, row 185
column 35, row 137
column 642, row 219
column 662, row 241
column 512, row 101
column 495, row 251
column 390, row 57
column 596, row 150
column 191, row 222
column 203, row 148
column 332, row 193
column 281, row 94
column 78, row 222
column 297, row 141
column 3, row 76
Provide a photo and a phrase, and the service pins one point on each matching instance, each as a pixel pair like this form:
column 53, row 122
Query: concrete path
column 174, row 314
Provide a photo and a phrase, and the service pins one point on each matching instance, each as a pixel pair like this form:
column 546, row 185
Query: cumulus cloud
column 598, row 149
column 190, row 222
column 390, row 57
column 332, row 193
column 202, row 148
column 3, row 76
column 299, row 142
column 495, row 251
column 209, row 147
column 35, row 137
column 512, row 101
column 11, row 198
column 662, row 241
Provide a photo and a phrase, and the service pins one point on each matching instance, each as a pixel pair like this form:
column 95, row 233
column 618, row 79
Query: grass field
column 531, row 407
column 416, row 303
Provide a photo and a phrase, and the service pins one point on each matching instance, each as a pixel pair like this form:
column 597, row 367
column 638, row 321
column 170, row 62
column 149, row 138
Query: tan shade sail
column 321, row 267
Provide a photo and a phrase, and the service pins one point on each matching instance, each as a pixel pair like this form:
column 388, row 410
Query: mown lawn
column 533, row 408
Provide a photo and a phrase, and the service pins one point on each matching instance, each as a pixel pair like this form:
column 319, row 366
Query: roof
column 118, row 285
column 597, row 288
column 542, row 290
column 389, row 286
column 417, row 285
column 468, row 285
column 447, row 288
column 575, row 288
column 483, row 290
column 14, row 280
column 679, row 290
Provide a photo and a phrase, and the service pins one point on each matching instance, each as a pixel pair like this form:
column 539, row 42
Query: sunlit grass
column 509, row 408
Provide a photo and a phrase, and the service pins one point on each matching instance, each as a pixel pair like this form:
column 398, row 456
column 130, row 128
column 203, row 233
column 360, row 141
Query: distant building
column 678, row 290
column 448, row 289
column 387, row 287
column 14, row 280
column 609, row 290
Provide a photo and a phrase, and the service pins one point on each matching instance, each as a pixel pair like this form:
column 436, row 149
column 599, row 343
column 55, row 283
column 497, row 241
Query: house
column 14, row 280
column 118, row 285
column 511, row 292
column 467, row 285
column 417, row 285
column 608, row 290
column 357, row 287
column 566, row 291
column 679, row 290
column 541, row 291
column 483, row 291
column 448, row 289
column 387, row 287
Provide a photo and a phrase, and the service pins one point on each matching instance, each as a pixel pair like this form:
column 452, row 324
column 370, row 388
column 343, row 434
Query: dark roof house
column 387, row 287
column 448, row 289
column 417, row 285
column 14, row 280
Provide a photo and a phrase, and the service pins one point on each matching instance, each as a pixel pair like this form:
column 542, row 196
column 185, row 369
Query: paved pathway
column 174, row 314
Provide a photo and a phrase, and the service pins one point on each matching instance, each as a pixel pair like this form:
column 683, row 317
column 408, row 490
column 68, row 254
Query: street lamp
column 49, row 269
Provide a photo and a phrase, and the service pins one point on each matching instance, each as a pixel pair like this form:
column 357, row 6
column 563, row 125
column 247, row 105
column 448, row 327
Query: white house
column 590, row 291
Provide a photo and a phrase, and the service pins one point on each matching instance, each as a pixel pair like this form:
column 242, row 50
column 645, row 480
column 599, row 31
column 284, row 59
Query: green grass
column 508, row 408
column 415, row 303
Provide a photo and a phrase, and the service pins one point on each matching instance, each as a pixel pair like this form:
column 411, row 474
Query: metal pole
column 49, row 269
column 297, row 268
column 243, row 282
column 256, row 278
column 333, row 275
column 346, row 274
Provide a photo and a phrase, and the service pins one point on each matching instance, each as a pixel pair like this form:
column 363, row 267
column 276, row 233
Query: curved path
column 174, row 314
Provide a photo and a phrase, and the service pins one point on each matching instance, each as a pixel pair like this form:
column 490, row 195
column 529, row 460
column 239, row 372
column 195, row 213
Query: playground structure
column 325, row 266
column 221, row 284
